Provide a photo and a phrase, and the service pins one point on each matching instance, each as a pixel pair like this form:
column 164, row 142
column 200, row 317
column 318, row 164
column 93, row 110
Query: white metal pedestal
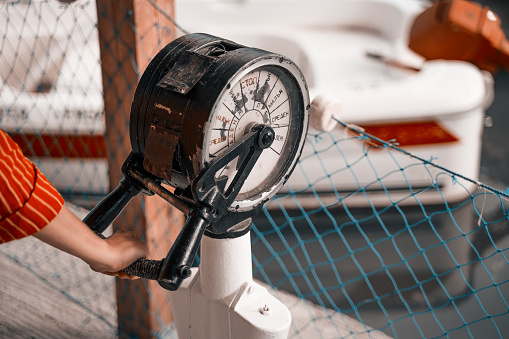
column 221, row 300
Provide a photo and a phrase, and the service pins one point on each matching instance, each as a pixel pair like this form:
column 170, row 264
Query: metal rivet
column 265, row 310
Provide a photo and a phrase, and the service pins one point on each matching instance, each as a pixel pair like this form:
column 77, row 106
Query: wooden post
column 131, row 32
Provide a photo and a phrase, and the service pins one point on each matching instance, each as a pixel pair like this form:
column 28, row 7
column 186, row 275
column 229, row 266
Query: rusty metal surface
column 159, row 149
column 188, row 70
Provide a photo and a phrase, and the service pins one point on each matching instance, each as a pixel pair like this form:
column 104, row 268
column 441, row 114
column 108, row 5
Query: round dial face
column 265, row 95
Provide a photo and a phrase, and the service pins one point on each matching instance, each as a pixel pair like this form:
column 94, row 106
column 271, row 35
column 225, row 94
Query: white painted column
column 225, row 265
column 221, row 301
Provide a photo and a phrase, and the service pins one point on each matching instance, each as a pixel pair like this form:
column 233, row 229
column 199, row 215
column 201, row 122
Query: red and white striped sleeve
column 28, row 201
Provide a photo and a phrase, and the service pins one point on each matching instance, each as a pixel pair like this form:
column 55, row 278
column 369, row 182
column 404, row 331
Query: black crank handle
column 103, row 214
column 145, row 268
column 176, row 267
column 106, row 211
column 171, row 271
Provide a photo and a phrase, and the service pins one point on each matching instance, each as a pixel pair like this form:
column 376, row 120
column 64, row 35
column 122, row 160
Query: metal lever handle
column 177, row 265
column 182, row 253
column 171, row 271
column 103, row 214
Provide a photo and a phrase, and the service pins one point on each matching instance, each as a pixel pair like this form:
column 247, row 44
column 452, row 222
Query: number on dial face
column 258, row 98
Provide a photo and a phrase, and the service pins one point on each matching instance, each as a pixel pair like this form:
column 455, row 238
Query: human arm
column 30, row 205
column 69, row 234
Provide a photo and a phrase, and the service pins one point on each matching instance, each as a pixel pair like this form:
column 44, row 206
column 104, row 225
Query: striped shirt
column 28, row 201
